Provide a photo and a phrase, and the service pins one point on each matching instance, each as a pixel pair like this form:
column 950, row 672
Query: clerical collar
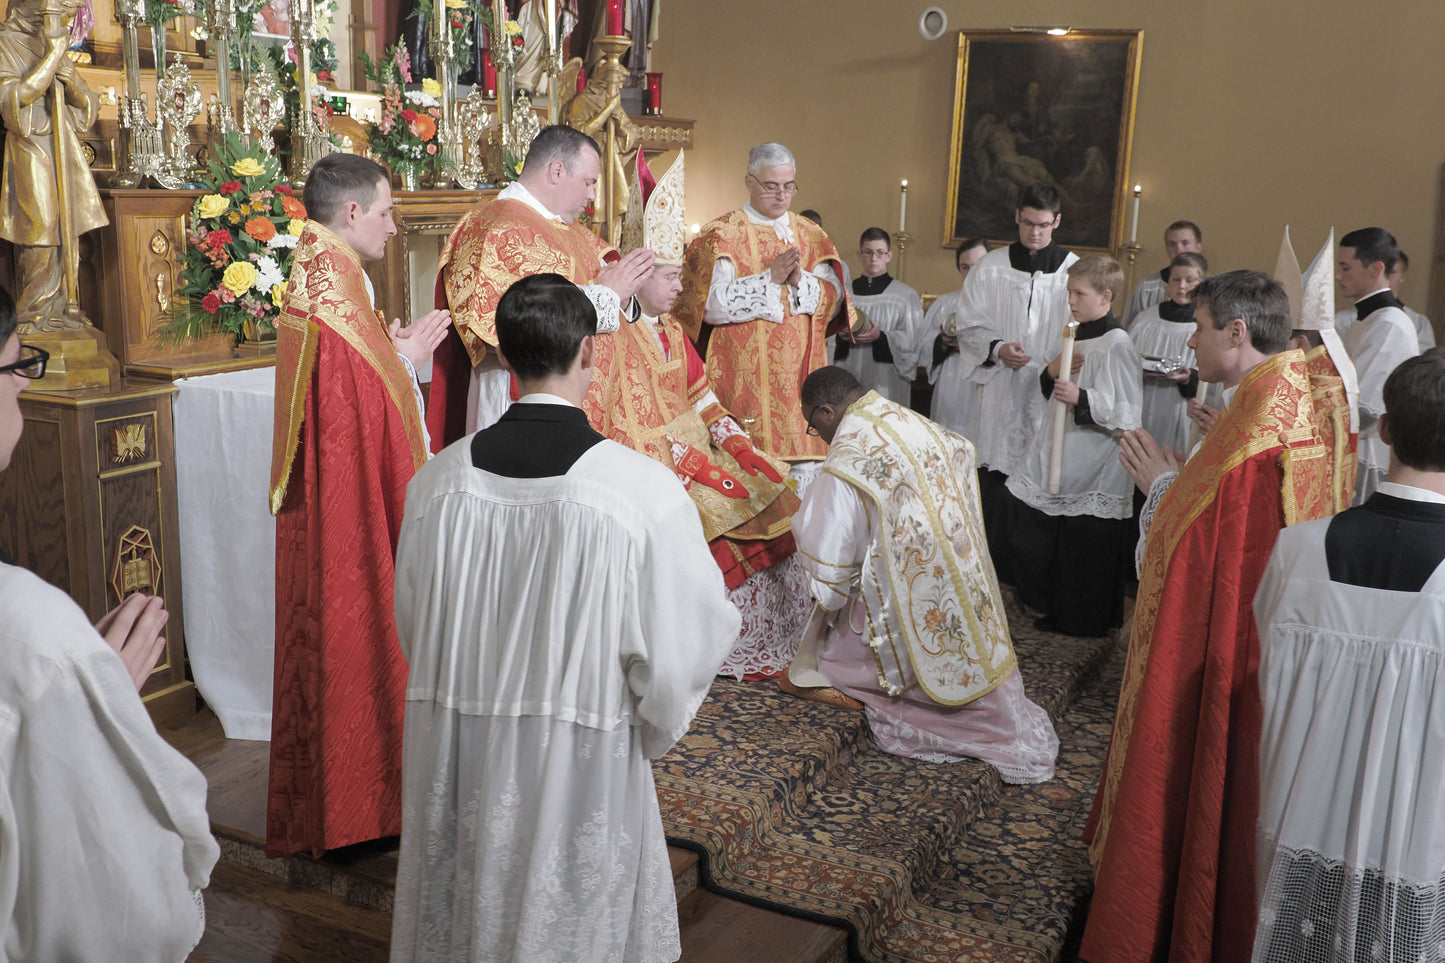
column 1410, row 493
column 1170, row 311
column 780, row 225
column 516, row 192
column 542, row 397
column 1380, row 299
column 863, row 285
column 1047, row 261
column 1096, row 328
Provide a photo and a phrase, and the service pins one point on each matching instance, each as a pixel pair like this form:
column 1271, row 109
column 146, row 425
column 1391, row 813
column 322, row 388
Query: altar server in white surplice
column 955, row 395
column 886, row 357
column 1015, row 303
column 104, row 840
column 1181, row 237
column 1351, row 851
column 562, row 619
column 1162, row 331
column 1424, row 330
column 1381, row 337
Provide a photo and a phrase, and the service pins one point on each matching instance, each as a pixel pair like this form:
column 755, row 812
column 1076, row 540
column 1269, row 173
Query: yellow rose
column 239, row 277
column 212, row 205
column 430, row 87
column 456, row 4
column 278, row 293
column 513, row 28
column 247, row 167
column 295, row 227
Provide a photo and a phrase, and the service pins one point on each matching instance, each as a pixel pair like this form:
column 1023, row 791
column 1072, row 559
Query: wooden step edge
column 716, row 929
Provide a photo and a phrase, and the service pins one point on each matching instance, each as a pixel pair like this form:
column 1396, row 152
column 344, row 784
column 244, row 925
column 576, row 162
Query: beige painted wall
column 1251, row 114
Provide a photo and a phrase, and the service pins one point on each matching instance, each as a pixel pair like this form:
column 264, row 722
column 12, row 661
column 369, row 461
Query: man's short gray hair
column 769, row 155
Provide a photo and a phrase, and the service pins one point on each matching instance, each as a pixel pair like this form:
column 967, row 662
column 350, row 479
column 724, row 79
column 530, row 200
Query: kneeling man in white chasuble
column 911, row 621
column 562, row 619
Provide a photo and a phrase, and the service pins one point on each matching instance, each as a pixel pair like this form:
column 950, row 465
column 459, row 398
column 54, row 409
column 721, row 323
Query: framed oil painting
column 1032, row 107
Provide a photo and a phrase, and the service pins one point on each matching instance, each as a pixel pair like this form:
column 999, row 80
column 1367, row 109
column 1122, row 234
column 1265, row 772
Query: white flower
column 282, row 239
column 268, row 274
column 200, row 33
column 421, row 98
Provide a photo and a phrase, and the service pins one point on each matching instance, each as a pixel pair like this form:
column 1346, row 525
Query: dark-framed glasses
column 31, row 363
column 808, row 420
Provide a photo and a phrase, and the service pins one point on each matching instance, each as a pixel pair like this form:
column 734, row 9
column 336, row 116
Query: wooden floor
column 256, row 916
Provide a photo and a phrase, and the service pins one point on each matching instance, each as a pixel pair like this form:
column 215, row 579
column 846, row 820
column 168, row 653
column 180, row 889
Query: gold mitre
column 655, row 210
column 1312, row 308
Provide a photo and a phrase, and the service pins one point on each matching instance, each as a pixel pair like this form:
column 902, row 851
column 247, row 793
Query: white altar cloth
column 228, row 542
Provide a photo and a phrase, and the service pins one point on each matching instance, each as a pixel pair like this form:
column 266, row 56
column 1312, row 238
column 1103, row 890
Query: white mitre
column 1312, row 308
column 661, row 226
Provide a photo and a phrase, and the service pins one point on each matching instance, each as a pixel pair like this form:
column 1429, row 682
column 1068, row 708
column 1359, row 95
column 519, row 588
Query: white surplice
column 1424, row 330
column 955, row 395
column 898, row 312
column 1092, row 479
column 1008, row 305
column 1149, row 292
column 836, row 534
column 105, row 843
column 1351, row 851
column 1376, row 345
column 1165, row 414
column 560, row 633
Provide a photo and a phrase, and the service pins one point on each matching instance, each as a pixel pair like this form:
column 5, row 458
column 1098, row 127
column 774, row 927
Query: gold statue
column 596, row 110
column 48, row 196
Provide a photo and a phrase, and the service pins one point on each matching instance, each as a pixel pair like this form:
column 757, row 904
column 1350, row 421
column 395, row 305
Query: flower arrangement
column 405, row 135
column 461, row 19
column 242, row 236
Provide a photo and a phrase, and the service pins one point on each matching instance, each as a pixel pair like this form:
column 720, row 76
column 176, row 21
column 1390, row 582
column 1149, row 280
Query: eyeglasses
column 809, row 419
column 31, row 364
column 1030, row 225
column 774, row 189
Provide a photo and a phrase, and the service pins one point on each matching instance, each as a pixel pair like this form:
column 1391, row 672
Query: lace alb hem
column 1315, row 908
column 1146, row 515
column 775, row 604
column 1095, row 503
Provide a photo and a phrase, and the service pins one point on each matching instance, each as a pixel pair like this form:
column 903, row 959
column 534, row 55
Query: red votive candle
column 654, row 94
column 489, row 74
column 614, row 18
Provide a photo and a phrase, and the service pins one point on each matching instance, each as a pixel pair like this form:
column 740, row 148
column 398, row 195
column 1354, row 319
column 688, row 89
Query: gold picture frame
column 1030, row 107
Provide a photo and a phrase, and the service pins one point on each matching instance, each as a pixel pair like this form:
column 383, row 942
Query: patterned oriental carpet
column 794, row 807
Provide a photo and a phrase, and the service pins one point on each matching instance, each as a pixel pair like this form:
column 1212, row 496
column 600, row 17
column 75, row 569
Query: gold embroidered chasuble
column 646, row 399
column 757, row 367
column 494, row 246
column 946, row 630
column 326, row 290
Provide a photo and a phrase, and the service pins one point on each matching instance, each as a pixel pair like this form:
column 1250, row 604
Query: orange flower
column 294, row 209
column 261, row 229
column 934, row 620
column 423, row 127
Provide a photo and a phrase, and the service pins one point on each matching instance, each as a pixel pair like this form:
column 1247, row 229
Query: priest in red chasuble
column 1172, row 831
column 660, row 402
column 530, row 228
column 348, row 437
column 762, row 290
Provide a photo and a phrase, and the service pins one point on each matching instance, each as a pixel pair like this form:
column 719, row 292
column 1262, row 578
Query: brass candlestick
column 309, row 142
column 1130, row 252
column 900, row 247
column 223, row 17
column 443, row 56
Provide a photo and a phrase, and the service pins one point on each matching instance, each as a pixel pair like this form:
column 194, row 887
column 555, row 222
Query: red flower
column 408, row 115
column 284, row 189
column 230, row 187
column 218, row 238
column 323, row 75
column 211, row 303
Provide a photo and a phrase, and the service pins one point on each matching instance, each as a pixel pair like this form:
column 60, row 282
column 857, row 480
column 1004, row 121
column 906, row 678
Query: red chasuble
column 490, row 249
column 757, row 367
column 347, row 439
column 1172, row 831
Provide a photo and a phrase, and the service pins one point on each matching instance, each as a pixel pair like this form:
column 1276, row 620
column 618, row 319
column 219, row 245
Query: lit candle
column 489, row 74
column 614, row 18
column 654, row 93
column 1134, row 221
column 903, row 206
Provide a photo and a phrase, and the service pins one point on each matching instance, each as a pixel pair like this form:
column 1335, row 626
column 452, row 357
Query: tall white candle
column 1134, row 221
column 903, row 206
column 1061, row 413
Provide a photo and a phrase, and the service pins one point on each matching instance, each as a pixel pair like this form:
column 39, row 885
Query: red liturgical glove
column 754, row 464
column 695, row 465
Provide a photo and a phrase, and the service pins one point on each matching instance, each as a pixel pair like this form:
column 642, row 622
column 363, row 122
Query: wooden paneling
column 89, row 505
